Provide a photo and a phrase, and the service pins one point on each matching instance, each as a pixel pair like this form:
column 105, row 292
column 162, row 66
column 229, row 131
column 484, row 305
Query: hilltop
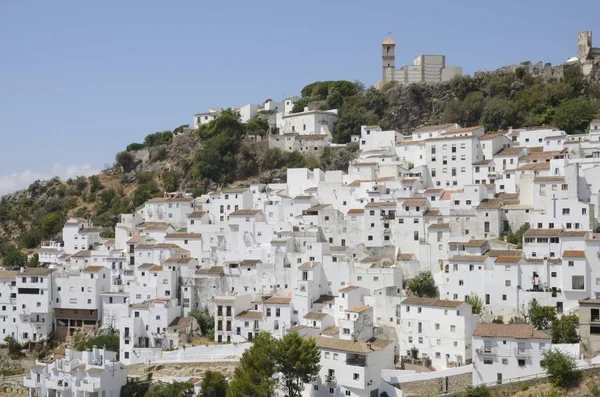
column 218, row 154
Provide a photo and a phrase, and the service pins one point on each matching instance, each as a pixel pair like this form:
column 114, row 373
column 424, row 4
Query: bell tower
column 388, row 59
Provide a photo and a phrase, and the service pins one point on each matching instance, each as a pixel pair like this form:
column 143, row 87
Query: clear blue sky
column 79, row 80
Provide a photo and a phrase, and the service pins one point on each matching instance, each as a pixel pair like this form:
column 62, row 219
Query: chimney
column 95, row 352
column 22, row 269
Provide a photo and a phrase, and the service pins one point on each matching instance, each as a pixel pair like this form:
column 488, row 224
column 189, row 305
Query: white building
column 502, row 352
column 438, row 331
column 87, row 373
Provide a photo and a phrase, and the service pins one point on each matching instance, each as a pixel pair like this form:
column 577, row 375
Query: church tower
column 388, row 59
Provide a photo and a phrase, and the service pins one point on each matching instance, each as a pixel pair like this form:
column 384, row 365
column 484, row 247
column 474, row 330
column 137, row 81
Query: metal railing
column 358, row 362
column 522, row 352
column 486, row 350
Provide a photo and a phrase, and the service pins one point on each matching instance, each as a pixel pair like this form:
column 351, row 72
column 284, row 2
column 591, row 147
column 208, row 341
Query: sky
column 80, row 80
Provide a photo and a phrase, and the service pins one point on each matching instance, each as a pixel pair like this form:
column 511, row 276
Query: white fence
column 196, row 354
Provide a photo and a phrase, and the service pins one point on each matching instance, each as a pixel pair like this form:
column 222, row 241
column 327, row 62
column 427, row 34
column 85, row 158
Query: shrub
column 134, row 146
column 126, row 161
column 14, row 347
column 423, row 285
column 478, row 391
column 561, row 367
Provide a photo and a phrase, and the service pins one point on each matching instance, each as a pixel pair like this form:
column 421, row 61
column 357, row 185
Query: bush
column 478, row 391
column 159, row 154
column 561, row 367
column 158, row 138
column 14, row 347
column 95, row 184
column 423, row 285
column 126, row 161
column 205, row 321
column 14, row 259
column 574, row 115
column 109, row 341
column 134, row 146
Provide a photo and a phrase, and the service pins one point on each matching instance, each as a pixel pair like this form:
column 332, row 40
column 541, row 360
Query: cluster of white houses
column 326, row 255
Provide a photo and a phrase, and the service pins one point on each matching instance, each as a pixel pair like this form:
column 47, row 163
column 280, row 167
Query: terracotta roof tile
column 573, row 254
column 245, row 212
column 517, row 331
column 417, row 301
column 278, row 300
column 315, row 315
column 374, row 344
column 468, row 258
column 251, row 314
column 358, row 309
column 507, row 259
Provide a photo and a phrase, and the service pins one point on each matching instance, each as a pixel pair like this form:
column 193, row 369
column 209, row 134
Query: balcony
column 522, row 352
column 330, row 379
column 357, row 362
column 28, row 382
column 91, row 387
column 486, row 351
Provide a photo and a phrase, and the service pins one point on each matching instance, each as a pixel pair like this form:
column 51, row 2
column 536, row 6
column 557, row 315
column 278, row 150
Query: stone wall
column 13, row 385
column 435, row 387
column 589, row 385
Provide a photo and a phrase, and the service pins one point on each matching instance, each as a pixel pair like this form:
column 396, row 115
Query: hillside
column 217, row 155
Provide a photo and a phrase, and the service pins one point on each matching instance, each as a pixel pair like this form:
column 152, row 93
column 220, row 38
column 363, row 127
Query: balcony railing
column 486, row 351
column 522, row 352
column 330, row 379
column 358, row 362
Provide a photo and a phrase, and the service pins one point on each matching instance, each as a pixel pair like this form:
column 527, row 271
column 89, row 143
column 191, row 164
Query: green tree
column 205, row 321
column 423, row 285
column 158, row 138
column 297, row 362
column 561, row 367
column 574, row 115
column 30, row 238
column 95, row 184
column 14, row 347
column 132, row 147
column 517, row 237
column 499, row 114
column 258, row 126
column 170, row 181
column 564, row 329
column 352, row 115
column 254, row 374
column 126, row 161
column 214, row 384
column 51, row 224
column 541, row 317
column 14, row 259
column 221, row 140
column 34, row 261
column 335, row 99
column 476, row 303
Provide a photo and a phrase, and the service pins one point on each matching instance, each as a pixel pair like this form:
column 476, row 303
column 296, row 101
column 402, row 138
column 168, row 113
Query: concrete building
column 428, row 69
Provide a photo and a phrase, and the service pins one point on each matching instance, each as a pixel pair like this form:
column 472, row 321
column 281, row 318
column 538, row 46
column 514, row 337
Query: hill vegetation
column 217, row 154
column 496, row 100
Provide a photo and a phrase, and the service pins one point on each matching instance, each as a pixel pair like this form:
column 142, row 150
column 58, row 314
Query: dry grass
column 202, row 340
